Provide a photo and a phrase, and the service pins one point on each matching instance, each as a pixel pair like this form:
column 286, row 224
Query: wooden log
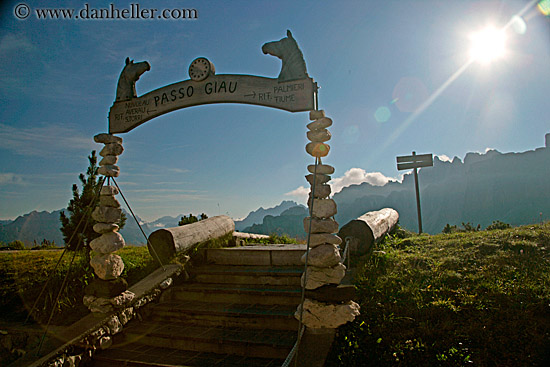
column 165, row 243
column 368, row 229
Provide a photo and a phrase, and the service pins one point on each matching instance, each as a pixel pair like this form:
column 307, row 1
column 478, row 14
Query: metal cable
column 80, row 242
column 139, row 225
column 301, row 328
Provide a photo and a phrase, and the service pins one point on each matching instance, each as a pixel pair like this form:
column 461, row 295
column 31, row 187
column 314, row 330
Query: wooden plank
column 402, row 166
column 415, row 158
column 293, row 96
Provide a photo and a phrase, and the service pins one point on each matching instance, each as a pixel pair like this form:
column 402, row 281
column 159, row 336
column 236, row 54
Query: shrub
column 16, row 245
column 497, row 224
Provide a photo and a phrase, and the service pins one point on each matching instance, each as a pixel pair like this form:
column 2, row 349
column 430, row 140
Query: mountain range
column 510, row 187
column 37, row 226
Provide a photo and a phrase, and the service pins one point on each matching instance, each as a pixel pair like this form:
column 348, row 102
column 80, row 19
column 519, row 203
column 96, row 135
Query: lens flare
column 544, row 7
column 518, row 24
column 382, row 114
column 487, row 45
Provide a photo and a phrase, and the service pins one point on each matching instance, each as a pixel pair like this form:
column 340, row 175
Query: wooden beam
column 368, row 229
column 165, row 243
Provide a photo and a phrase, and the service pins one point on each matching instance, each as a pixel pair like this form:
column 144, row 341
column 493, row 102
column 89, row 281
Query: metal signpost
column 415, row 161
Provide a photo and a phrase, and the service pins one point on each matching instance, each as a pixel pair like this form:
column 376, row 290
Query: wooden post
column 417, row 198
column 415, row 161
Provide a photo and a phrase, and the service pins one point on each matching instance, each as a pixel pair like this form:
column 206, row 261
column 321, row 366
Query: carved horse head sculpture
column 286, row 49
column 126, row 87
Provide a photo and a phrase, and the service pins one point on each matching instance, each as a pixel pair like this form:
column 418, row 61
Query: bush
column 497, row 224
column 16, row 245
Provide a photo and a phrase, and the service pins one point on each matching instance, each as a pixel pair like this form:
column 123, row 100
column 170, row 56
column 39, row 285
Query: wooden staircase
column 236, row 310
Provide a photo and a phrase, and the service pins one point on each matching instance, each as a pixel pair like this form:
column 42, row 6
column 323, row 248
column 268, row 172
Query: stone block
column 319, row 179
column 108, row 200
column 324, row 169
column 98, row 304
column 317, row 150
column 106, row 288
column 108, row 159
column 123, row 299
column 106, row 214
column 321, row 192
column 318, row 277
column 109, row 190
column 324, row 208
column 315, row 115
column 105, row 227
column 107, row 266
column 319, row 135
column 111, row 149
column 323, row 256
column 107, row 138
column 332, row 293
column 321, row 225
column 107, row 243
column 109, row 170
column 114, row 325
column 321, row 123
column 317, row 239
column 317, row 315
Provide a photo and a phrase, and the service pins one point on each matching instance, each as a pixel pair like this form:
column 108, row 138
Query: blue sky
column 58, row 80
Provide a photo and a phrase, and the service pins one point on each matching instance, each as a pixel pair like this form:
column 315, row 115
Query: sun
column 487, row 45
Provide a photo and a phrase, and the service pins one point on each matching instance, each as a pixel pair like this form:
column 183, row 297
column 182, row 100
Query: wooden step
column 228, row 315
column 239, row 274
column 141, row 355
column 236, row 293
column 235, row 341
column 260, row 255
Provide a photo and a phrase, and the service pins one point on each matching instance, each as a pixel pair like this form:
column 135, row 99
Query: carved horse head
column 126, row 88
column 286, row 49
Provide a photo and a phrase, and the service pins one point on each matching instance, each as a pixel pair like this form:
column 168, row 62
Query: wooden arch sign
column 292, row 91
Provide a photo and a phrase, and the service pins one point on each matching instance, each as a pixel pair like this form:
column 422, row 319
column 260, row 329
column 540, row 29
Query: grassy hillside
column 24, row 273
column 476, row 298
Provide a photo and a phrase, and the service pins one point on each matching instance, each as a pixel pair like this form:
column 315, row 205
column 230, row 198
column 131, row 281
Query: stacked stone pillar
column 324, row 268
column 108, row 290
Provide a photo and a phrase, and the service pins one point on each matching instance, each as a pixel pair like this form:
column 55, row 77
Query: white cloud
column 53, row 140
column 443, row 157
column 10, row 179
column 299, row 194
column 356, row 176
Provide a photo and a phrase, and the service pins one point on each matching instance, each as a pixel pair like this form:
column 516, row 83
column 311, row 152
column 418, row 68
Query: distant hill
column 257, row 216
column 290, row 223
column 36, row 226
column 46, row 225
column 33, row 226
column 511, row 187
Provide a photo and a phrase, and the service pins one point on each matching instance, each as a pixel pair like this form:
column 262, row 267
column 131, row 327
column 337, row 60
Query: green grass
column 479, row 298
column 23, row 274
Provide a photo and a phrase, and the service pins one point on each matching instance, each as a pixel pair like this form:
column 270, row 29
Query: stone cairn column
column 325, row 269
column 107, row 291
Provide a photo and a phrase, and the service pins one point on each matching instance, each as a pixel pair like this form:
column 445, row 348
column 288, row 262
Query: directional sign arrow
column 253, row 95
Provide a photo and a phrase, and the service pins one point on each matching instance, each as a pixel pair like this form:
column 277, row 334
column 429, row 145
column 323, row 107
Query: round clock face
column 200, row 69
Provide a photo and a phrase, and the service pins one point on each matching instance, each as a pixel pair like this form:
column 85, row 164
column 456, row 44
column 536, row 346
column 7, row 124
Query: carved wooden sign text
column 293, row 96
